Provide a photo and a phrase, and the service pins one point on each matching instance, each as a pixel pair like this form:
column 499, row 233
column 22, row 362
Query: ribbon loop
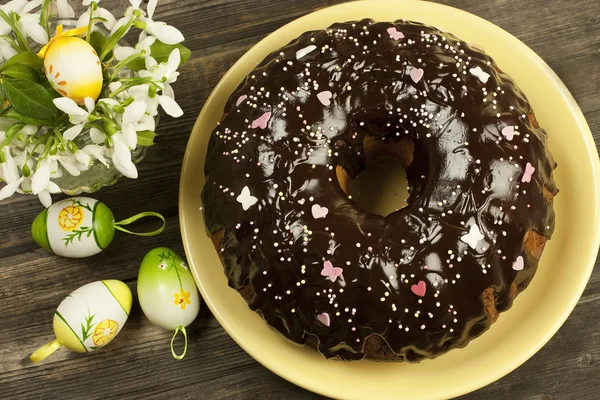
column 177, row 330
column 45, row 351
column 118, row 225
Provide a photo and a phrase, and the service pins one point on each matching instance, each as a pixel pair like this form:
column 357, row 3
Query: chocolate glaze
column 276, row 151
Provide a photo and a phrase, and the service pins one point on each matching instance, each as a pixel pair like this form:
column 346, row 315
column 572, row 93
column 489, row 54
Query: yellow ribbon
column 130, row 220
column 60, row 33
column 45, row 351
column 177, row 330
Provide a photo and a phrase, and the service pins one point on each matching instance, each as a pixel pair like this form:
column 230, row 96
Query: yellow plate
column 537, row 313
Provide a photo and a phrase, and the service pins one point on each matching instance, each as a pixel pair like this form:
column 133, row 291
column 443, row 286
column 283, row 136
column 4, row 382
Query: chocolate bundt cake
column 410, row 285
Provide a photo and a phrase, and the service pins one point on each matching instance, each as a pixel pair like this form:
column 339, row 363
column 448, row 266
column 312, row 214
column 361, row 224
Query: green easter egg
column 39, row 230
column 104, row 227
column 166, row 289
column 75, row 227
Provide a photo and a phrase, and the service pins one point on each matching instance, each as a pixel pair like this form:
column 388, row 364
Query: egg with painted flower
column 166, row 290
column 89, row 318
column 76, row 227
column 73, row 68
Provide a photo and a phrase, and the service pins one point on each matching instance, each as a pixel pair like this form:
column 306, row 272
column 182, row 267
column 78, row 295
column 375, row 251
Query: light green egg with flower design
column 166, row 289
column 76, row 227
column 167, row 292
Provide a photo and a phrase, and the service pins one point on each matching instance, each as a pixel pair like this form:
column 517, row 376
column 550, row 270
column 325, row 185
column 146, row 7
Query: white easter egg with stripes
column 91, row 316
column 76, row 227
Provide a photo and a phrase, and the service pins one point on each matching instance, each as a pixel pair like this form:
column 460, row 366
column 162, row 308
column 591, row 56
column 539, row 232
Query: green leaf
column 97, row 40
column 146, row 138
column 30, row 99
column 28, row 120
column 2, row 98
column 160, row 52
column 24, row 72
column 28, row 58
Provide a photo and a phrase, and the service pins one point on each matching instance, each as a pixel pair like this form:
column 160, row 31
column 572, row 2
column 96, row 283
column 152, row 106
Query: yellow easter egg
column 73, row 68
column 89, row 318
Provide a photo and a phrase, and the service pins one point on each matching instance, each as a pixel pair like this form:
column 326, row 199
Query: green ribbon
column 119, row 225
column 177, row 330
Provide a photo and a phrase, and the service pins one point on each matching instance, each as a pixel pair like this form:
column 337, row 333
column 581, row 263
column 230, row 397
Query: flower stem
column 124, row 62
column 93, row 7
column 47, row 148
column 12, row 22
column 11, row 41
column 60, row 138
column 132, row 83
column 118, row 35
column 11, row 132
column 45, row 16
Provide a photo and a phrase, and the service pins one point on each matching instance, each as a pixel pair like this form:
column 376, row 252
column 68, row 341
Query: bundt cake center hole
column 381, row 188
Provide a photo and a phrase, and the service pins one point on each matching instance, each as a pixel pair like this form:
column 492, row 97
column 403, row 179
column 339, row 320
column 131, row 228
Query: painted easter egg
column 166, row 290
column 73, row 68
column 76, row 227
column 89, row 318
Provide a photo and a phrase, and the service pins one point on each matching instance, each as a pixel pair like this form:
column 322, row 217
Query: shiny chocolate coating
column 318, row 264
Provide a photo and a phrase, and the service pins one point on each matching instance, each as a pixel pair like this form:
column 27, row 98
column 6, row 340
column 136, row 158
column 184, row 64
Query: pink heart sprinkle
column 330, row 271
column 518, row 264
column 241, row 100
column 395, row 34
column 318, row 211
column 416, row 74
column 529, row 170
column 261, row 122
column 324, row 319
column 508, row 132
column 325, row 98
column 419, row 289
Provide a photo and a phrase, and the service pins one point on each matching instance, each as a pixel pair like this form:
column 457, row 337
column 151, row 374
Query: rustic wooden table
column 139, row 364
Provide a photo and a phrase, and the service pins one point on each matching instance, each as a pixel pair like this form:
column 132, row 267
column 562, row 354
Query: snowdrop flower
column 96, row 135
column 29, row 24
column 69, row 162
column 44, row 195
column 6, row 50
column 63, row 9
column 122, row 52
column 10, row 188
column 131, row 118
column 41, row 185
column 121, row 157
column 8, row 169
column 77, row 115
column 140, row 92
column 128, row 16
column 90, row 152
column 163, row 72
column 166, row 100
column 165, row 33
column 9, row 174
column 84, row 19
column 41, row 177
column 113, row 87
column 16, row 6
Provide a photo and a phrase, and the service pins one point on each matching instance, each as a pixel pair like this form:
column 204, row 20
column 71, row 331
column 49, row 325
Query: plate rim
column 592, row 154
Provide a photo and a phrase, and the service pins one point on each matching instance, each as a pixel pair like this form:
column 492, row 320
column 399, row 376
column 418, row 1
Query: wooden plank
column 139, row 364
